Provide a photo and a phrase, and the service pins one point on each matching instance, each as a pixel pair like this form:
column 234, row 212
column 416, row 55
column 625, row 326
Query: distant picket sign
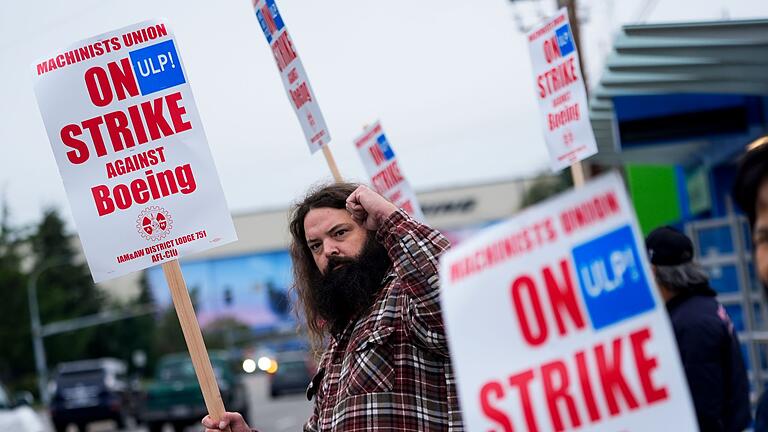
column 386, row 176
column 131, row 150
column 561, row 92
column 555, row 323
column 292, row 72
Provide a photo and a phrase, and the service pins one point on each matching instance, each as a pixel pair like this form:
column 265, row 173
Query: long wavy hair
column 304, row 268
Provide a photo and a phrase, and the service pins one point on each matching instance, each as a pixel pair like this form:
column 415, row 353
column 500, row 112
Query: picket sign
column 562, row 94
column 555, row 323
column 130, row 147
column 295, row 81
column 386, row 176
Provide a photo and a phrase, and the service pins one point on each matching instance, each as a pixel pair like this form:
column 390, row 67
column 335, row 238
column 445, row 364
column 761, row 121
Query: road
column 284, row 414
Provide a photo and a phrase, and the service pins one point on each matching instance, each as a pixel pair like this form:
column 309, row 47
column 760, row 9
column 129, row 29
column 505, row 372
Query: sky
column 449, row 80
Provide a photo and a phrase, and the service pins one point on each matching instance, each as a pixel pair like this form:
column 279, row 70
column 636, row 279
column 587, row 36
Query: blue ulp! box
column 564, row 39
column 612, row 279
column 157, row 67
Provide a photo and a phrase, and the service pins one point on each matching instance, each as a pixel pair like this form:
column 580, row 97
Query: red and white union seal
column 154, row 223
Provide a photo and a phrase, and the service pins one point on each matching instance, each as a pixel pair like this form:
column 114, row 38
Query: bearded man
column 366, row 275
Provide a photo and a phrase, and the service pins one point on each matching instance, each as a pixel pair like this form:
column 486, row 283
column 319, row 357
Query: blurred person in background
column 750, row 192
column 366, row 275
column 709, row 347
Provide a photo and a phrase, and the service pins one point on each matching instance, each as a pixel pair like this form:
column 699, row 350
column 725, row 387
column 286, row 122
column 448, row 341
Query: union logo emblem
column 154, row 223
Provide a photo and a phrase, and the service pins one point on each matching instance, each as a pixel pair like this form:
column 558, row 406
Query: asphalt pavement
column 284, row 414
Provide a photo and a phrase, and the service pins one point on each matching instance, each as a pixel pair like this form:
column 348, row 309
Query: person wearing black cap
column 750, row 192
column 709, row 347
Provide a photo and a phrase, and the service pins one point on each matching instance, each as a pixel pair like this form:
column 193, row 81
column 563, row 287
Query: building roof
column 680, row 68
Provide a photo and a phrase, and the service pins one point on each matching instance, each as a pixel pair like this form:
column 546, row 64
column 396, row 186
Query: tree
column 122, row 338
column 65, row 289
column 225, row 332
column 169, row 338
column 16, row 362
column 545, row 186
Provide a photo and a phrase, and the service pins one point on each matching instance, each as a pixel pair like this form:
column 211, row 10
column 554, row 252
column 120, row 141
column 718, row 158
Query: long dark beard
column 347, row 290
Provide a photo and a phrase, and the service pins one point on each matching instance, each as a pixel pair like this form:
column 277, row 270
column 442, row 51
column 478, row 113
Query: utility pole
column 37, row 334
column 570, row 5
column 577, row 169
column 40, row 331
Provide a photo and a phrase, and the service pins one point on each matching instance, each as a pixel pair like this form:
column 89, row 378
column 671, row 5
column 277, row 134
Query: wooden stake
column 577, row 173
column 194, row 338
column 577, row 170
column 332, row 164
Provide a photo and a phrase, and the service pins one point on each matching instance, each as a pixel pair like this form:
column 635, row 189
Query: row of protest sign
column 558, row 305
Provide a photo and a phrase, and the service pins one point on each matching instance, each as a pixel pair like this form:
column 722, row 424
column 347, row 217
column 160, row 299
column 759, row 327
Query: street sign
column 386, row 176
column 555, row 323
column 561, row 92
column 131, row 150
column 293, row 75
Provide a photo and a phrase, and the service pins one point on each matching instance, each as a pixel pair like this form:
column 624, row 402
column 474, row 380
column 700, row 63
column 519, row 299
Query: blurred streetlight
column 265, row 363
column 249, row 365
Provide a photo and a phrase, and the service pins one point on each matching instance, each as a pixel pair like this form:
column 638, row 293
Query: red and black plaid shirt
column 390, row 370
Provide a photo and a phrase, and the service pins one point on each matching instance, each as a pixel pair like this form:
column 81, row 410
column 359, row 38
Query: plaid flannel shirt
column 390, row 369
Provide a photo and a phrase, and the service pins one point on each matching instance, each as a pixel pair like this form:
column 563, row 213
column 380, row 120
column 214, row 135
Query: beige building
column 459, row 211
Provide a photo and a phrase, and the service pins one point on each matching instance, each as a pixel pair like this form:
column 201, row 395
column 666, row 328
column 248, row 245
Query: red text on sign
column 141, row 190
column 79, row 54
column 300, row 95
column 377, row 154
column 560, row 294
column 568, row 114
column 147, row 121
column 100, row 82
column 293, row 75
column 387, row 178
column 551, row 49
column 368, row 136
column 283, row 51
column 145, row 34
column 524, row 240
column 136, row 162
column 557, row 78
column 571, row 387
column 590, row 212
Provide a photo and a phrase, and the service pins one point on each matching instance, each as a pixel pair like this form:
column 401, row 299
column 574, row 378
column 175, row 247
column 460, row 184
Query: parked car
column 17, row 416
column 294, row 372
column 175, row 396
column 91, row 390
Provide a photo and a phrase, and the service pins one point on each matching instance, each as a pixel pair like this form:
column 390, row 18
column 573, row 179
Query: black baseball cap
column 753, row 169
column 668, row 247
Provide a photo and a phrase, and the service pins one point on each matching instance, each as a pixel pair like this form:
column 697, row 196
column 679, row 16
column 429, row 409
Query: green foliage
column 168, row 338
column 65, row 289
column 16, row 365
column 225, row 332
column 545, row 186
column 121, row 339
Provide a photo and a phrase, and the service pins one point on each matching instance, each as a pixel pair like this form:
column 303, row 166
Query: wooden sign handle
column 577, row 173
column 194, row 338
column 332, row 164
